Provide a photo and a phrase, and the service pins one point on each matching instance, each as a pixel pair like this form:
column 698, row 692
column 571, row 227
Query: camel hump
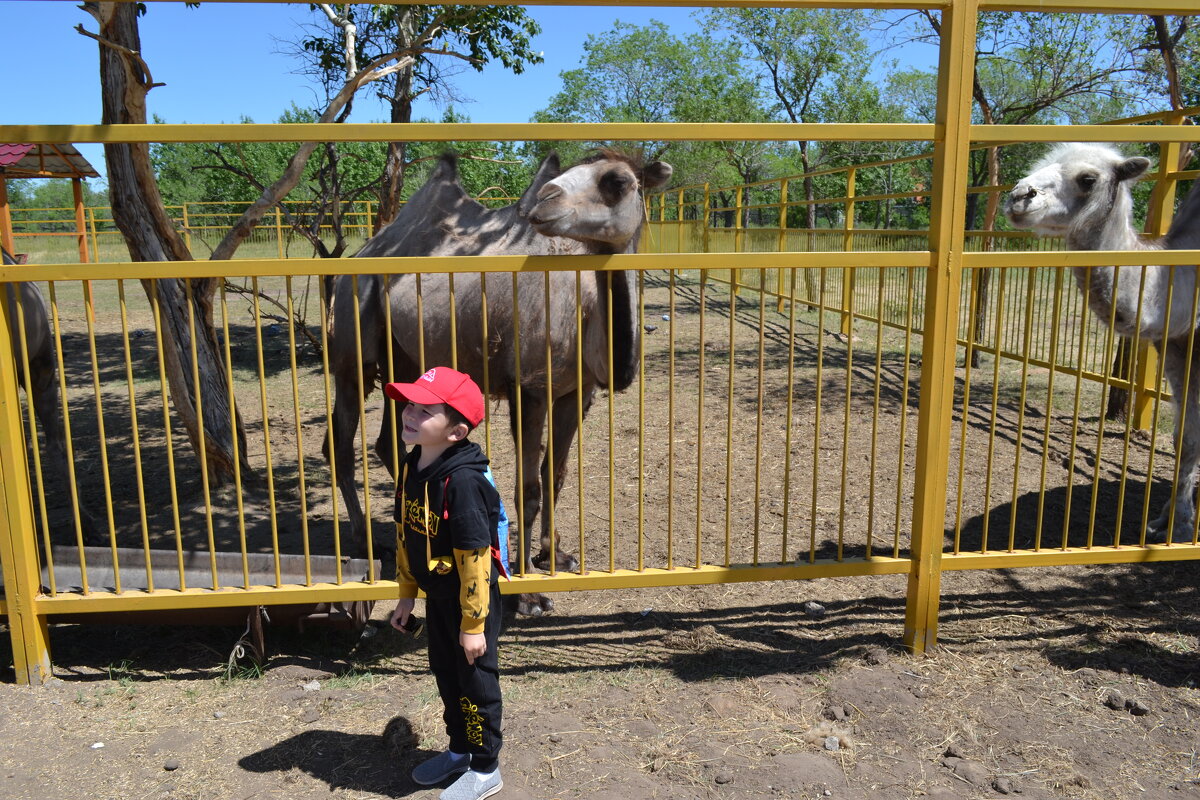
column 1184, row 233
column 446, row 169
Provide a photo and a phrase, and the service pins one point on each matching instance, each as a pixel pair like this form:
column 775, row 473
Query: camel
column 595, row 207
column 42, row 381
column 1082, row 192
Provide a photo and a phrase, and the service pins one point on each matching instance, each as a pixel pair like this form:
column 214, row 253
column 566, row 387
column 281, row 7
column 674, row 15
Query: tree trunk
column 150, row 235
column 397, row 152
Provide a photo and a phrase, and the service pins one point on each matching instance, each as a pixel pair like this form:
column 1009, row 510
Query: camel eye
column 614, row 185
column 1086, row 182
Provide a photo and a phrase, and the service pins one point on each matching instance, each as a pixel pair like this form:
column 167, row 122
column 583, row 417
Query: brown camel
column 595, row 207
column 42, row 381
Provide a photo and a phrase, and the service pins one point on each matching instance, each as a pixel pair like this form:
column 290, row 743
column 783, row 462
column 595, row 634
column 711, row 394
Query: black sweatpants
column 470, row 692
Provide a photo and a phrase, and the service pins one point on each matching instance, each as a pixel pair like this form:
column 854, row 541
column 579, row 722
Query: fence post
column 1158, row 219
column 18, row 554
column 951, row 151
column 849, row 273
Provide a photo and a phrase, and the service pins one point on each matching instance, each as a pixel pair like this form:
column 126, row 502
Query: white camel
column 1082, row 192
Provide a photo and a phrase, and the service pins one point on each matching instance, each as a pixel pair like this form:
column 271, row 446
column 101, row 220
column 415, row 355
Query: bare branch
column 145, row 79
column 349, row 31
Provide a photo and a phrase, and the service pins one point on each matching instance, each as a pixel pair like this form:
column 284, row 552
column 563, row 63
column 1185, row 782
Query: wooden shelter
column 44, row 161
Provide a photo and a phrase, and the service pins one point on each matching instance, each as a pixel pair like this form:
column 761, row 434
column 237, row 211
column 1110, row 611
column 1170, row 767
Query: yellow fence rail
column 792, row 448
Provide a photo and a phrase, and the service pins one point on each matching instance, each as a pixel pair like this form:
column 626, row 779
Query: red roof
column 12, row 153
column 43, row 161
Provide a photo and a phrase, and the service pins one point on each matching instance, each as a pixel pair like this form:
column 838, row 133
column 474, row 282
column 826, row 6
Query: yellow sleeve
column 408, row 586
column 475, row 577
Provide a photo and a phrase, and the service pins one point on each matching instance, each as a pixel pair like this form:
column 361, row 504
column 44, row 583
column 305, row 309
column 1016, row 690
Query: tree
column 645, row 74
column 473, row 36
column 150, row 235
column 810, row 58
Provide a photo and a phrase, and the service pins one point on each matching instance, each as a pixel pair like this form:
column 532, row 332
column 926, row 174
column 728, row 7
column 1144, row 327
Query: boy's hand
column 474, row 645
column 403, row 611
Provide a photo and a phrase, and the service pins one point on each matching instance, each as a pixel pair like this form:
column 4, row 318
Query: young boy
column 447, row 518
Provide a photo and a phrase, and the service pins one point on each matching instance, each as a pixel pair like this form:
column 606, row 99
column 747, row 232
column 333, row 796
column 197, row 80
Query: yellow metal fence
column 757, row 441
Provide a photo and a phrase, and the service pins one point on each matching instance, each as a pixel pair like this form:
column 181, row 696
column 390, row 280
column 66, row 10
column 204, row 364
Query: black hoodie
column 452, row 499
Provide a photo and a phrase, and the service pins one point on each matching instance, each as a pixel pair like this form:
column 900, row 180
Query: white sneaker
column 473, row 786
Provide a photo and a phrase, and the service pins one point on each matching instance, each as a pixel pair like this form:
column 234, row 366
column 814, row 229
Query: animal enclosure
column 837, row 426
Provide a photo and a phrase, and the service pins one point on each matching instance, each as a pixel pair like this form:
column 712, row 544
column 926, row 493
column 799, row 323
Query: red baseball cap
column 443, row 385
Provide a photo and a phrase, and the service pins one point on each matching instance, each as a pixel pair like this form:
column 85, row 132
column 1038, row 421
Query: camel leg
column 564, row 425
column 342, row 430
column 530, row 427
column 532, row 424
column 1187, row 439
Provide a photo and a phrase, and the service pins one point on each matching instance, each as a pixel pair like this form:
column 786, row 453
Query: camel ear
column 656, row 174
column 1132, row 168
column 548, row 170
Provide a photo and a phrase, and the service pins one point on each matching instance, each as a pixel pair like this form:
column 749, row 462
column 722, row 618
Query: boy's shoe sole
column 450, row 792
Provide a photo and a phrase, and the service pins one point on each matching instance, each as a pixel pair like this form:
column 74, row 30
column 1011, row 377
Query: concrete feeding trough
column 198, row 574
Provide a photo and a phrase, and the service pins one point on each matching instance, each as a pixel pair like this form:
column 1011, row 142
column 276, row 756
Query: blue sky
column 204, row 56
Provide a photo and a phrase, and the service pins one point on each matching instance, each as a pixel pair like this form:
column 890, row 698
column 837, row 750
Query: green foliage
column 490, row 169
column 235, row 173
column 474, row 35
column 51, row 202
column 645, row 74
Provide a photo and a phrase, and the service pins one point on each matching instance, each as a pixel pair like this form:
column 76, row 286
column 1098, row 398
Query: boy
column 447, row 519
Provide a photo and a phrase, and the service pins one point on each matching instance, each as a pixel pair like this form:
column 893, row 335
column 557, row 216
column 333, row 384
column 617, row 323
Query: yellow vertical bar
column 362, row 421
column 700, row 412
column 739, row 241
column 758, row 418
column 18, row 552
column 679, row 222
column 333, row 484
column 266, row 425
column 72, row 487
column 950, row 173
column 80, row 225
column 782, row 244
column 90, row 316
column 237, row 465
column 201, row 437
column 641, row 453
column 850, row 273
column 95, row 239
column 548, row 487
column 704, row 232
column 729, row 411
column 301, row 489
column 515, row 414
column 166, row 411
column 579, row 413
column 187, row 228
column 133, row 427
column 670, row 417
column 279, row 230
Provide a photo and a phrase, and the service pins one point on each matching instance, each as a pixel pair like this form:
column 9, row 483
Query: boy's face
column 429, row 426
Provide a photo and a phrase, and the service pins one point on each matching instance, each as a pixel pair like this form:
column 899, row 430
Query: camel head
column 1072, row 181
column 599, row 200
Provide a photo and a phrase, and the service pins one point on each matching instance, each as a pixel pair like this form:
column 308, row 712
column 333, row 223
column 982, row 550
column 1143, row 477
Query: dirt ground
column 1071, row 682
column 740, row 692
